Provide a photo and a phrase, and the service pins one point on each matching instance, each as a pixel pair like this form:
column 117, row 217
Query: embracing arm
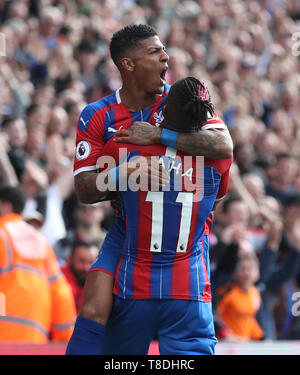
column 212, row 143
column 85, row 184
column 92, row 187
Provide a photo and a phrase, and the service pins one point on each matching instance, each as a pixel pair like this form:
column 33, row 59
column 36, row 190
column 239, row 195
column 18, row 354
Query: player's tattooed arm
column 212, row 143
column 85, row 184
column 92, row 187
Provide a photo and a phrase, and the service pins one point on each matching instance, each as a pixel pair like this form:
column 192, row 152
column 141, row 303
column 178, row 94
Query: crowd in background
column 57, row 60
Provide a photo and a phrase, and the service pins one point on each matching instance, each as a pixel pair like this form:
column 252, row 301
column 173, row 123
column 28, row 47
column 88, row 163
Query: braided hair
column 193, row 102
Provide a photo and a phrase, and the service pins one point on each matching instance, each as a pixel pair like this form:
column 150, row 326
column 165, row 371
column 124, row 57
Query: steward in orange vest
column 38, row 301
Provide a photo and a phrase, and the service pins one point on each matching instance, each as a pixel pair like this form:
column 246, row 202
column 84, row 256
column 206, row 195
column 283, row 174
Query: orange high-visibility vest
column 39, row 304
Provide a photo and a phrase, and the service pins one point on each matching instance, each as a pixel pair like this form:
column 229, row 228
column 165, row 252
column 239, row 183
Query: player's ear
column 164, row 110
column 127, row 64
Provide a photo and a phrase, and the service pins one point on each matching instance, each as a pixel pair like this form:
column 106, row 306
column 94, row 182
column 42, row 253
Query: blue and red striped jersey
column 99, row 121
column 164, row 256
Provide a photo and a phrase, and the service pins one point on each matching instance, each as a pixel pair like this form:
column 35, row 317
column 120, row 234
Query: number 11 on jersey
column 157, row 199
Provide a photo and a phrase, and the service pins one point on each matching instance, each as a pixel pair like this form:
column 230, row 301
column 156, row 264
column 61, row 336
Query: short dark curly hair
column 129, row 37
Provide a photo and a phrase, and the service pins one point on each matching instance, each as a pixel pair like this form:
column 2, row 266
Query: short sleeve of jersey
column 223, row 188
column 214, row 122
column 121, row 152
column 224, row 183
column 89, row 139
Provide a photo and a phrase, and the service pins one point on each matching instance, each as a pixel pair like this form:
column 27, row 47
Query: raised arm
column 7, row 172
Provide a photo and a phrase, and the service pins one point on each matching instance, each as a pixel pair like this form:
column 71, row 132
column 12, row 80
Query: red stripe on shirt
column 206, row 295
column 116, row 289
column 122, row 116
column 142, row 269
column 181, row 277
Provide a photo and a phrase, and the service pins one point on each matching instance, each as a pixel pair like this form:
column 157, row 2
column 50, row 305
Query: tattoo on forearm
column 212, row 144
column 144, row 132
column 86, row 188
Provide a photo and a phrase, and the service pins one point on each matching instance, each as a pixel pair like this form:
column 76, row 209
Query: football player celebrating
column 142, row 61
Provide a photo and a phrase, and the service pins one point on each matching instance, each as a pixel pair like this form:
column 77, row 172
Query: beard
column 79, row 275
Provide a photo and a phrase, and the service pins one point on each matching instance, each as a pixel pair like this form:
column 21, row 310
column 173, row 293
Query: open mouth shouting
column 162, row 75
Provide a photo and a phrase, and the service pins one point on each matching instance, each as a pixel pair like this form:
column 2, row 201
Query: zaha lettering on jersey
column 186, row 174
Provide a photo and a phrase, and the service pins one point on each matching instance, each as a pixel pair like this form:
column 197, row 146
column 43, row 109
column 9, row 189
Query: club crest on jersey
column 83, row 150
column 158, row 117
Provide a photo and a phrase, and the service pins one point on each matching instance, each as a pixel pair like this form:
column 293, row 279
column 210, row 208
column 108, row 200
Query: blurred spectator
column 22, row 162
column 8, row 174
column 255, row 186
column 89, row 59
column 284, row 280
column 88, row 220
column 244, row 156
column 58, row 122
column 82, row 256
column 39, row 301
column 279, row 259
column 16, row 132
column 239, row 301
column 34, row 218
column 37, row 116
column 281, row 176
column 232, row 226
column 60, row 187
